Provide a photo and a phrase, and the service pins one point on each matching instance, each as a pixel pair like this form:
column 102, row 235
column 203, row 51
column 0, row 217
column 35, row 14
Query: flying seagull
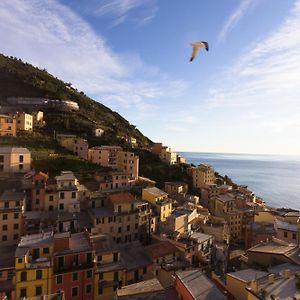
column 196, row 46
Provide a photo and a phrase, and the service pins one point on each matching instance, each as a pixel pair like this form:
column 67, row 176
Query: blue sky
column 133, row 56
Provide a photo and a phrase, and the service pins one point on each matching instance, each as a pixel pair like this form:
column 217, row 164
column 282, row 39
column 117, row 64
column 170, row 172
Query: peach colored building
column 11, row 209
column 14, row 160
column 202, row 175
column 129, row 163
column 8, row 125
column 81, row 148
column 38, row 118
column 156, row 148
column 168, row 156
column 38, row 191
column 67, row 192
column 105, row 156
column 173, row 187
column 114, row 180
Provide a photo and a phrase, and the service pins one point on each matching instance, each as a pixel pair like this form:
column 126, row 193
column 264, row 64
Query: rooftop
column 199, row 286
column 160, row 249
column 226, row 197
column 12, row 195
column 78, row 242
column 104, row 244
column 272, row 247
column 285, row 225
column 146, row 287
column 247, row 275
column 201, row 237
column 65, row 175
column 121, row 198
column 16, row 150
column 101, row 212
column 133, row 256
column 155, row 192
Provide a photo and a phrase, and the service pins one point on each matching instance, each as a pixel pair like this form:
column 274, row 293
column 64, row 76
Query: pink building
column 81, row 148
column 114, row 180
column 105, row 156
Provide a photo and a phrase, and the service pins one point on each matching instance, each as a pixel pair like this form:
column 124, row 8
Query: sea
column 275, row 178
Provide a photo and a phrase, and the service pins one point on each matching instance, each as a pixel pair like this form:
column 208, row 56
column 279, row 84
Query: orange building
column 8, row 125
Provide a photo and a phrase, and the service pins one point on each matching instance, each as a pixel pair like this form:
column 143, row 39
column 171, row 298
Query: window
column 144, row 270
column 74, row 291
column 61, row 195
column 285, row 234
column 1, row 158
column 119, row 229
column 20, row 167
column 88, row 289
column 116, row 276
column 16, row 236
column 16, row 215
column 38, row 290
column 37, row 201
column 136, row 225
column 294, row 236
column 4, row 238
column 45, row 250
column 75, row 260
column 23, row 293
column 89, row 274
column 4, row 227
column 23, row 276
column 4, row 217
column 61, row 262
column 6, row 204
column 59, row 279
column 100, row 276
column 51, row 198
column 128, row 227
column 115, row 256
column 75, row 276
column 39, row 274
column 99, row 258
column 89, row 258
column 61, row 206
column 21, row 158
column 100, row 290
column 20, row 260
column 73, row 195
column 119, row 208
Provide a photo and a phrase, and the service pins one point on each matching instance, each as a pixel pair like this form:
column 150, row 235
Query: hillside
column 19, row 79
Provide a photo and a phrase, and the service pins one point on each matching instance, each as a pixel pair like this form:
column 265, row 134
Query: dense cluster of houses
column 60, row 240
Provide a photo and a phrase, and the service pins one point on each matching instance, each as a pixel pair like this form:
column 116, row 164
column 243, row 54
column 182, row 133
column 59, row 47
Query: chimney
column 254, row 286
column 271, row 278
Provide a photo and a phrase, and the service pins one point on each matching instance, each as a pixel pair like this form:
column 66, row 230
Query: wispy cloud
column 122, row 11
column 69, row 48
column 234, row 18
column 263, row 84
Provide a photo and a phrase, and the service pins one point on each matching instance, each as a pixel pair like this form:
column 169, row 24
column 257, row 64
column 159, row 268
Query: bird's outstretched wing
column 196, row 46
column 194, row 53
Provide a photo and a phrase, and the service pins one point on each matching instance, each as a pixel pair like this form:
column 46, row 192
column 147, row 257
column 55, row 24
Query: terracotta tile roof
column 160, row 249
column 121, row 198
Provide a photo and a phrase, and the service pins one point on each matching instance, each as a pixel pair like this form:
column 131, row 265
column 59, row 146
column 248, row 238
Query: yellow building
column 160, row 200
column 202, row 175
column 168, row 156
column 38, row 119
column 14, row 160
column 109, row 270
column 129, row 163
column 237, row 282
column 11, row 209
column 24, row 121
column 33, row 265
column 8, row 125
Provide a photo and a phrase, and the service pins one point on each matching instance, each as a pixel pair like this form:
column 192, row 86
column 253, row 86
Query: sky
column 242, row 96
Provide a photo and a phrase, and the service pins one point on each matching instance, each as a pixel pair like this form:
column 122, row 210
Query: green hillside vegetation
column 22, row 79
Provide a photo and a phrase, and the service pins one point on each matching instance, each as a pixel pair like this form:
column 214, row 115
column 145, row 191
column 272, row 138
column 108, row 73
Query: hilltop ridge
column 20, row 79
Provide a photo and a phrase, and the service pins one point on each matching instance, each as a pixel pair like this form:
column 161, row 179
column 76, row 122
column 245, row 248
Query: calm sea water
column 275, row 178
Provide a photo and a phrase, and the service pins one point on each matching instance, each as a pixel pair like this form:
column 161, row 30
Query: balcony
column 73, row 267
column 42, row 262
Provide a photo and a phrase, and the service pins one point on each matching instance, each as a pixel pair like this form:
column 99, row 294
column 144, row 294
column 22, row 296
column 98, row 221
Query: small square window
column 88, row 289
column 74, row 291
column 75, row 276
column 59, row 279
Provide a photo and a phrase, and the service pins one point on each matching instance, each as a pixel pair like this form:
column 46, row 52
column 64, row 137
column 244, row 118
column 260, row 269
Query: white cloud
column 234, row 18
column 121, row 10
column 260, row 93
column 50, row 35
